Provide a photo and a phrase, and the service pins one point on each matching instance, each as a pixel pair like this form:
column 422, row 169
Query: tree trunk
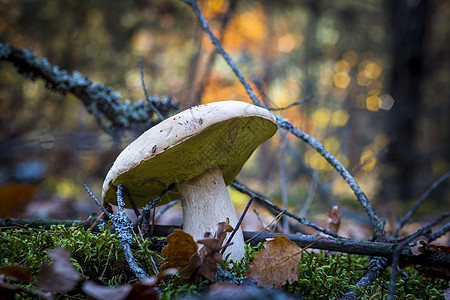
column 407, row 28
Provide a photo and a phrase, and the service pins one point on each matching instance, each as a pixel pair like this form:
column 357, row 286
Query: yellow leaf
column 276, row 264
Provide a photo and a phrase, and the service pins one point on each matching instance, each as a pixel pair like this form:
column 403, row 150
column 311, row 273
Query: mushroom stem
column 206, row 202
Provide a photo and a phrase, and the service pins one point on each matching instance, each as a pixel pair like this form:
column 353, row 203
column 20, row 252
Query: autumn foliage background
column 373, row 74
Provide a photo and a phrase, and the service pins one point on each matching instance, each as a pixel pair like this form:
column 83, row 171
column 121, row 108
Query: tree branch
column 430, row 257
column 100, row 100
column 399, row 248
column 362, row 198
column 419, row 202
column 261, row 200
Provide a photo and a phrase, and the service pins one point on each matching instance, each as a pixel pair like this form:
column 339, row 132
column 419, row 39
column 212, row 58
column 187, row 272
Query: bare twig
column 132, row 203
column 283, row 123
column 283, row 180
column 375, row 221
column 166, row 208
column 377, row 265
column 274, row 220
column 241, row 188
column 306, row 99
column 238, row 225
column 398, row 249
column 419, row 202
column 97, row 202
column 221, row 51
column 438, row 233
column 153, row 107
column 312, row 192
column 212, row 56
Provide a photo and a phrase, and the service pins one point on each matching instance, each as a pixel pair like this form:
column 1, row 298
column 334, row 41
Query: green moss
column 99, row 257
column 331, row 276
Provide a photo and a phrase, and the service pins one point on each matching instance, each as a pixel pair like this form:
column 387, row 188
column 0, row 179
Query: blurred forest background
column 374, row 77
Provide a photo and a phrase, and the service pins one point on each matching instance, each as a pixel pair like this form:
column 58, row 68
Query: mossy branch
column 100, row 100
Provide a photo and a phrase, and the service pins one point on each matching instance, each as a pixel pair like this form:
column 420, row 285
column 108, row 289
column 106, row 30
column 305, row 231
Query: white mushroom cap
column 183, row 146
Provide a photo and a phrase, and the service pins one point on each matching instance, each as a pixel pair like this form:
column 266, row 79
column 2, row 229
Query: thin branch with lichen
column 123, row 226
column 100, row 100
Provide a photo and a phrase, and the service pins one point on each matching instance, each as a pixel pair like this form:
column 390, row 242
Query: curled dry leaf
column 182, row 252
column 61, row 275
column 418, row 248
column 276, row 264
column 334, row 219
column 222, row 229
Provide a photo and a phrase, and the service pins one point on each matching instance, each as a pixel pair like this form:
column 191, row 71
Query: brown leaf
column 276, row 263
column 60, row 276
column 203, row 264
column 100, row 292
column 180, row 247
column 444, row 249
column 141, row 290
column 434, row 272
column 334, row 219
column 182, row 252
column 222, row 229
column 190, row 270
column 16, row 272
column 208, row 268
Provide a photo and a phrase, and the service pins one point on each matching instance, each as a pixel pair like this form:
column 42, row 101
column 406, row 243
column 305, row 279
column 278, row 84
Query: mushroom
column 193, row 155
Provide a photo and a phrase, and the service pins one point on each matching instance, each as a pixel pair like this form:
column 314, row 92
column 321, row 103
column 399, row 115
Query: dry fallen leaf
column 276, row 264
column 203, row 264
column 222, row 229
column 16, row 272
column 181, row 252
column 61, row 275
column 180, row 247
column 141, row 290
column 334, row 219
column 211, row 257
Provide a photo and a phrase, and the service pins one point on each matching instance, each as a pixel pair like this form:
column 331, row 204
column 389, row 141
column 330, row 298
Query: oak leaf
column 276, row 264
